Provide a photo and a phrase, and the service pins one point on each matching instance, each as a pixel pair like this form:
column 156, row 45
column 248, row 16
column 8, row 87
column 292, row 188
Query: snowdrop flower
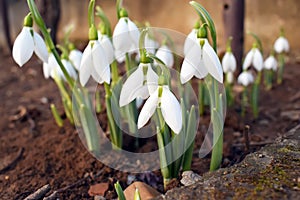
column 164, row 99
column 191, row 38
column 141, row 83
column 53, row 70
column 75, row 57
column 229, row 62
column 200, row 60
column 107, row 46
column 165, row 55
column 245, row 78
column 125, row 36
column 94, row 61
column 27, row 42
column 271, row 63
column 281, row 45
column 254, row 58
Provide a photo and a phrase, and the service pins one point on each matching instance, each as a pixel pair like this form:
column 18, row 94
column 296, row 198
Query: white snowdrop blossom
column 190, row 41
column 164, row 99
column 75, row 57
column 27, row 42
column 229, row 62
column 254, row 58
column 165, row 55
column 245, row 78
column 140, row 83
column 107, row 46
column 94, row 63
column 53, row 70
column 281, row 45
column 199, row 61
column 125, row 38
column 271, row 63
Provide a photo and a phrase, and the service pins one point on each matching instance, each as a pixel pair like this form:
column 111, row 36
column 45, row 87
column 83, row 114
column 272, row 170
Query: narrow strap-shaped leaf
column 119, row 191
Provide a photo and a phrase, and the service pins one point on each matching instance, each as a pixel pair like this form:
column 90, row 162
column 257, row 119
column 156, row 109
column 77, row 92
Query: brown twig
column 40, row 193
column 13, row 162
column 246, row 136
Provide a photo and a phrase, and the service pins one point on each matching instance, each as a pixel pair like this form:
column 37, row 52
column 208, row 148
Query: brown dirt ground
column 56, row 156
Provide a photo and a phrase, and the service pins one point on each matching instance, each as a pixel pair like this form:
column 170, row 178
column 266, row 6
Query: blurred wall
column 263, row 17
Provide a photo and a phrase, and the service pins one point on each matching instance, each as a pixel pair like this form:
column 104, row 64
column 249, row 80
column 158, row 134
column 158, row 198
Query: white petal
column 165, row 54
column 193, row 65
column 100, row 62
column 108, row 48
column 121, row 38
column 70, row 69
column 212, row 62
column 258, row 60
column 40, row 47
column 190, row 41
column 86, row 65
column 245, row 78
column 248, row 60
column 133, row 87
column 23, row 47
column 229, row 77
column 148, row 109
column 46, row 71
column 48, row 67
column 281, row 45
column 270, row 63
column 134, row 33
column 75, row 56
column 171, row 110
column 229, row 62
column 152, row 80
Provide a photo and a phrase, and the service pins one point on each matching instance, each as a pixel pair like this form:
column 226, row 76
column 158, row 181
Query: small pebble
column 44, row 100
column 261, row 155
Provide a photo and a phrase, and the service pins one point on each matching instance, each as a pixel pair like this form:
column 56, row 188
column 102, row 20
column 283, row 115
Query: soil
column 34, row 151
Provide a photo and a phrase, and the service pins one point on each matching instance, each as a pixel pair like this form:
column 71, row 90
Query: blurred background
column 263, row 17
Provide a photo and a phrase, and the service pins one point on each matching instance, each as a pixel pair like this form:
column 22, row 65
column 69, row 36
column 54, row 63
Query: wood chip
column 98, row 189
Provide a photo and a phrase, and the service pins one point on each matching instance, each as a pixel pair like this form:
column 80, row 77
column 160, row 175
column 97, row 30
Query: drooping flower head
column 164, row 99
column 106, row 43
column 201, row 59
column 254, row 58
column 27, row 42
column 245, row 78
column 141, row 83
column 271, row 62
column 191, row 38
column 75, row 56
column 229, row 62
column 281, row 45
column 125, row 36
column 94, row 61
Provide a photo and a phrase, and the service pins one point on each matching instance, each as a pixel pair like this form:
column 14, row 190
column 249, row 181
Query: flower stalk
column 215, row 97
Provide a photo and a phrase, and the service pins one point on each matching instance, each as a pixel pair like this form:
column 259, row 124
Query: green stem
column 244, row 102
column 201, row 97
column 114, row 71
column 41, row 24
column 268, row 79
column 281, row 68
column 217, row 119
column 98, row 102
column 56, row 116
column 115, row 133
column 255, row 95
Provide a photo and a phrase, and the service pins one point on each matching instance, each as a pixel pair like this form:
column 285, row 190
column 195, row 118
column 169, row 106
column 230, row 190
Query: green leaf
column 205, row 17
column 119, row 191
